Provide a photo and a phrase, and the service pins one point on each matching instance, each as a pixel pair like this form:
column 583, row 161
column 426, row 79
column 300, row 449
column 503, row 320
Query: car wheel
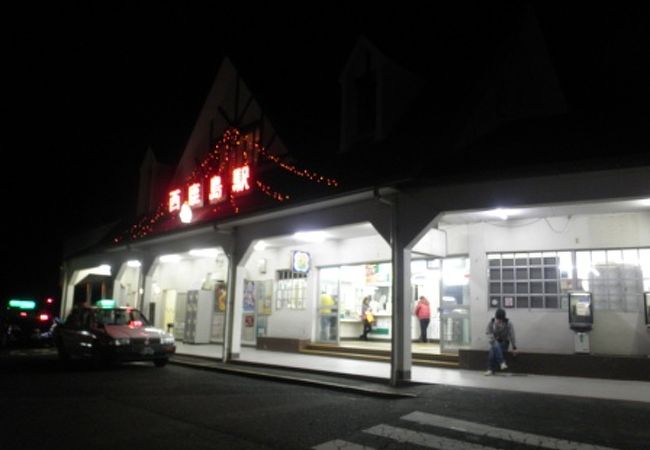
column 160, row 362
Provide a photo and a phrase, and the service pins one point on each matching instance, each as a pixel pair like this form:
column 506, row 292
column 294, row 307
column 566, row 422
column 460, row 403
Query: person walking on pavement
column 501, row 333
column 423, row 313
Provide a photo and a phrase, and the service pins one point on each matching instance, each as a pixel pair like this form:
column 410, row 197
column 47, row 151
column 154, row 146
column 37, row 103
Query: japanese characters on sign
column 194, row 194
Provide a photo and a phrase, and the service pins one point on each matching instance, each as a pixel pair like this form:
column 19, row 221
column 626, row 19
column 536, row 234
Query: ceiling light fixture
column 311, row 236
column 205, row 252
column 502, row 213
column 170, row 258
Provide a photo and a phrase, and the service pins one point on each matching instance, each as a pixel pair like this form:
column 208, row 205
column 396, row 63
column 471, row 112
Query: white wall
column 187, row 274
column 182, row 276
column 548, row 330
column 125, row 288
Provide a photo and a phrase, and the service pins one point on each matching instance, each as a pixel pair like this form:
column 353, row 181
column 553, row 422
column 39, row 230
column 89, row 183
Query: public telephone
column 646, row 308
column 581, row 319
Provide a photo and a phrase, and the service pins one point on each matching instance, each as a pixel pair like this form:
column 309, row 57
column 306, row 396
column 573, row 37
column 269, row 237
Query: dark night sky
column 88, row 87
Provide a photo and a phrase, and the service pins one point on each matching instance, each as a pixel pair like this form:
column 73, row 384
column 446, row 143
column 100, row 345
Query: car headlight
column 167, row 339
column 120, row 341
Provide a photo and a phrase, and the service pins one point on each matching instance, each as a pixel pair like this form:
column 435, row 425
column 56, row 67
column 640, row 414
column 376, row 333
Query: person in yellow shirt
column 327, row 317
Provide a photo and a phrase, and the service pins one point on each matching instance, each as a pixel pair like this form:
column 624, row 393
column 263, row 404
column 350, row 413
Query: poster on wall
column 220, row 293
column 377, row 273
column 261, row 326
column 248, row 328
column 249, row 296
column 264, row 297
column 218, row 321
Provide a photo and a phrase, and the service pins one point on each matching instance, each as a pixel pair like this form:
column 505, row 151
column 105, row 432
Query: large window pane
column 614, row 256
column 617, row 278
column 583, row 264
column 644, row 261
column 512, row 284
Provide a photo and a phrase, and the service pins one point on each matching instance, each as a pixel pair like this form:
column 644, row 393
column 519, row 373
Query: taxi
column 107, row 333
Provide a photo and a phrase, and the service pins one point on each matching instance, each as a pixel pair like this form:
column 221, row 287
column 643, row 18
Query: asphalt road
column 46, row 405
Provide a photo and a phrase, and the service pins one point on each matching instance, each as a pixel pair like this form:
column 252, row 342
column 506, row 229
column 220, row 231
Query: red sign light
column 195, row 195
column 240, row 182
column 216, row 189
column 175, row 200
column 240, row 177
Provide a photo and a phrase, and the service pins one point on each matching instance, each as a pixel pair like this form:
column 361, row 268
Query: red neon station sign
column 194, row 193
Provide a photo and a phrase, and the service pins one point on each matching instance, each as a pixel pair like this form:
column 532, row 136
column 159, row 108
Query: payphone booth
column 646, row 308
column 581, row 319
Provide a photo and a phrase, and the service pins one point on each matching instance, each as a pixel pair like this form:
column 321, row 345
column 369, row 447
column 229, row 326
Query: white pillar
column 400, row 361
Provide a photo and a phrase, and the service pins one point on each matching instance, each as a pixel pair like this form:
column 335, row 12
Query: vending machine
column 581, row 319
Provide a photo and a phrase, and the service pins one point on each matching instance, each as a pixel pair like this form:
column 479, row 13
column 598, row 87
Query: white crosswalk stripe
column 410, row 437
column 404, row 435
column 338, row 444
column 499, row 433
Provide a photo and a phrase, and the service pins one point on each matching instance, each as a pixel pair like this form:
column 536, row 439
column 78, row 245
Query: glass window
column 350, row 284
column 524, row 274
column 615, row 277
column 291, row 290
column 455, row 279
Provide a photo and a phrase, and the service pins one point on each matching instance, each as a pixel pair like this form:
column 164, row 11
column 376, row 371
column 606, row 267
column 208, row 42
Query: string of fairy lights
column 217, row 161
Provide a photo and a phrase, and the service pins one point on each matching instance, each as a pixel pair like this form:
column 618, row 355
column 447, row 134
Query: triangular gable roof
column 228, row 114
column 229, row 103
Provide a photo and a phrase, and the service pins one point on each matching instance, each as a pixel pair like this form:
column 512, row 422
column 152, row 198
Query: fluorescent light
column 133, row 263
column 645, row 202
column 103, row 269
column 311, row 236
column 260, row 246
column 502, row 213
column 170, row 258
column 205, row 252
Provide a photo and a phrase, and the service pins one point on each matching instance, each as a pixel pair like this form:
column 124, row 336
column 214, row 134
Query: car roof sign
column 22, row 304
column 106, row 303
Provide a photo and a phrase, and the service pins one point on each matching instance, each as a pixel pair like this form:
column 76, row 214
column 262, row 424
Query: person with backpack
column 501, row 333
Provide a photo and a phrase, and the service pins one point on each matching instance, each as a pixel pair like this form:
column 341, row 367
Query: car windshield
column 120, row 317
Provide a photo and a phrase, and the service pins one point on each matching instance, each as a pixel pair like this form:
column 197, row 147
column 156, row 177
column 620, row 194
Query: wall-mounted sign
column 195, row 193
column 300, row 261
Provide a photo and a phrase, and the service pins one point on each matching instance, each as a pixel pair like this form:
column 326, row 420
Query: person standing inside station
column 366, row 317
column 423, row 313
column 327, row 317
column 501, row 333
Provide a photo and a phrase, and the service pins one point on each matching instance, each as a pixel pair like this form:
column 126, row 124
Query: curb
column 370, row 389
